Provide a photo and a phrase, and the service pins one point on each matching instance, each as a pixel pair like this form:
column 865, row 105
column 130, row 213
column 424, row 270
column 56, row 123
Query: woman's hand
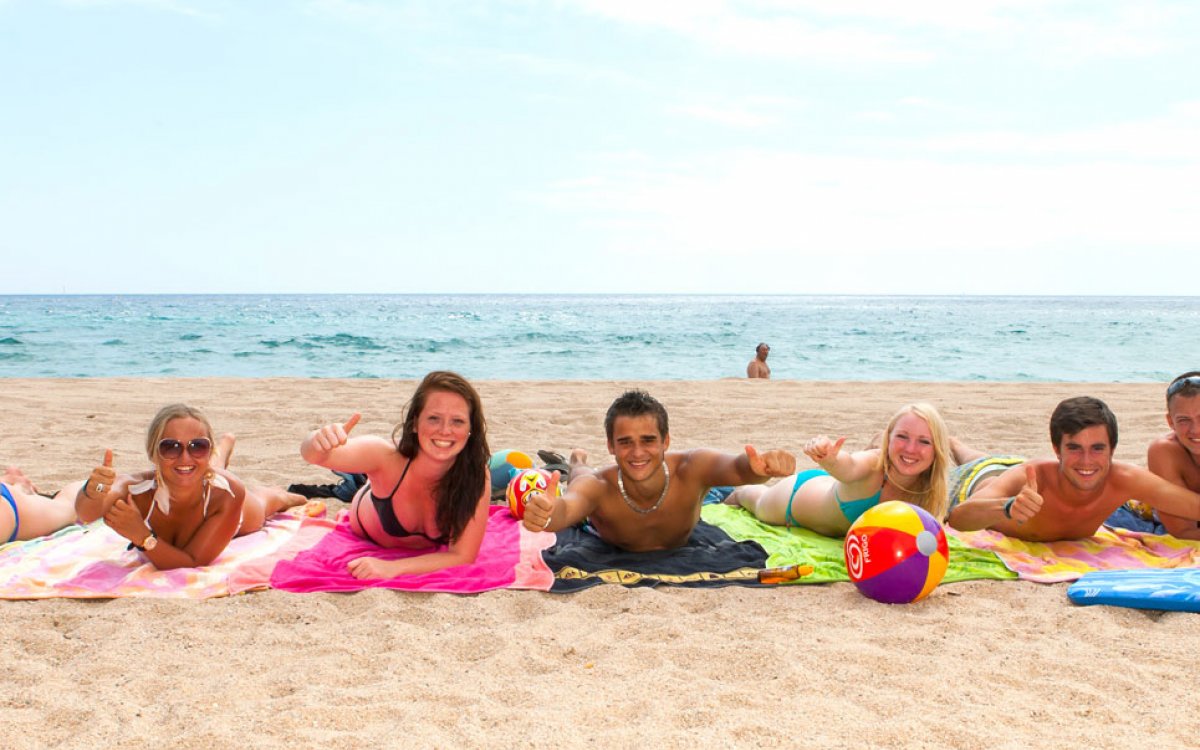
column 99, row 486
column 823, row 450
column 123, row 517
column 332, row 436
column 373, row 567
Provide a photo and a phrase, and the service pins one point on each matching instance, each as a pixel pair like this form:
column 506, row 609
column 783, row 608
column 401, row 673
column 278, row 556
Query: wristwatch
column 149, row 543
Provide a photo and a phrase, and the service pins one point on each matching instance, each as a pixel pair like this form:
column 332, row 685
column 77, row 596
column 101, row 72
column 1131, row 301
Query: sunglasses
column 171, row 448
column 1179, row 385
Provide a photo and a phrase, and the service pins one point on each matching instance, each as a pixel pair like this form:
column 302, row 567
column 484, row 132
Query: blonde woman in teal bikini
column 184, row 511
column 911, row 466
column 25, row 514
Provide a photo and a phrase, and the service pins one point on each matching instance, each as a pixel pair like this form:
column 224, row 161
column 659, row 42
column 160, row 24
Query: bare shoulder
column 595, row 485
column 373, row 443
column 371, row 454
column 868, row 454
column 1166, row 448
column 1016, row 477
column 232, row 498
column 682, row 462
column 1127, row 477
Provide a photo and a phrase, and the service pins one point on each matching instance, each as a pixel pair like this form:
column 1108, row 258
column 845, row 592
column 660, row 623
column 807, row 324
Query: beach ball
column 896, row 553
column 524, row 482
column 504, row 464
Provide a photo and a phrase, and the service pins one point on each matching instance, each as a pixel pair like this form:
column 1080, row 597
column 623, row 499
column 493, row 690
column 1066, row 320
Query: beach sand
column 982, row 664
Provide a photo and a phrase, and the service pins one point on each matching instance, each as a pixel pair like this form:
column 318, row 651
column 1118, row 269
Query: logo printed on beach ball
column 504, row 464
column 896, row 553
column 522, row 484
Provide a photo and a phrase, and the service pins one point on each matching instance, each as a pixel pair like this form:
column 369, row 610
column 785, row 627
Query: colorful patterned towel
column 92, row 562
column 792, row 546
column 1109, row 549
column 510, row 557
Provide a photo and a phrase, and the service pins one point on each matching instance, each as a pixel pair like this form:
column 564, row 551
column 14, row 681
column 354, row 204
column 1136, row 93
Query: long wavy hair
column 457, row 493
column 933, row 497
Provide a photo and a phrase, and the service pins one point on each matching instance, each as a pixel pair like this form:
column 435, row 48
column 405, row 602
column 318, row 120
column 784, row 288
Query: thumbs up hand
column 1028, row 502
column 100, row 484
column 334, row 435
column 539, row 505
column 772, row 463
column 823, row 451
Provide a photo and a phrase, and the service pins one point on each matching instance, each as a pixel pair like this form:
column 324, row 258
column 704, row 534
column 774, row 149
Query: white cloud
column 745, row 112
column 1174, row 136
column 771, row 30
column 915, row 31
column 736, row 117
column 555, row 67
column 889, row 221
column 167, row 6
column 375, row 15
column 876, row 116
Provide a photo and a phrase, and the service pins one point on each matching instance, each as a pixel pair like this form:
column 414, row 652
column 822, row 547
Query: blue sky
column 775, row 146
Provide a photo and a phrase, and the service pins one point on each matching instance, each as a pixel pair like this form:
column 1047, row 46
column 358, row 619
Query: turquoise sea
column 535, row 337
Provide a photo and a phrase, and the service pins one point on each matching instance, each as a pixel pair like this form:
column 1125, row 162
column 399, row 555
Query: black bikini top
column 387, row 514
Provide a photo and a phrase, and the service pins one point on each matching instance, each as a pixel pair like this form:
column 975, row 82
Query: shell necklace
column 634, row 506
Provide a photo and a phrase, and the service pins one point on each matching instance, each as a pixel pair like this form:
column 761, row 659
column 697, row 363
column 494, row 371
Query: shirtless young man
column 649, row 500
column 1176, row 456
column 758, row 366
column 1050, row 500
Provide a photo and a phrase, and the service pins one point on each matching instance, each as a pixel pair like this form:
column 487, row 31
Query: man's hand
column 773, row 463
column 1027, row 503
column 539, row 505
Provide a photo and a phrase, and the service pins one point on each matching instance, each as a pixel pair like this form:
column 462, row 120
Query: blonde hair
column 934, row 496
column 158, row 425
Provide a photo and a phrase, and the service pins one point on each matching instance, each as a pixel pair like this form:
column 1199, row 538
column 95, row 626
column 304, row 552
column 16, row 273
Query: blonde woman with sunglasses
column 184, row 511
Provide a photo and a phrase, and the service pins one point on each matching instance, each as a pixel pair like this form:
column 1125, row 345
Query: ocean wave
column 678, row 337
column 348, row 340
column 436, row 347
column 275, row 344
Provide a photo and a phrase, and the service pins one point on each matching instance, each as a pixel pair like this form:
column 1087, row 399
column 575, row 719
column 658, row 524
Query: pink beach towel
column 92, row 562
column 1109, row 549
column 509, row 557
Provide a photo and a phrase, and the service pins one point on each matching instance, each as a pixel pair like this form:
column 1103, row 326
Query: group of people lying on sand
column 428, row 487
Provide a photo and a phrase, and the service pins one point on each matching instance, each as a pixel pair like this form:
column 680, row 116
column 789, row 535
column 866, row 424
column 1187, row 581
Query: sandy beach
column 981, row 664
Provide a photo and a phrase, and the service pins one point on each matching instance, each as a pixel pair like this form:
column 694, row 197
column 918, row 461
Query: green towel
column 800, row 546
